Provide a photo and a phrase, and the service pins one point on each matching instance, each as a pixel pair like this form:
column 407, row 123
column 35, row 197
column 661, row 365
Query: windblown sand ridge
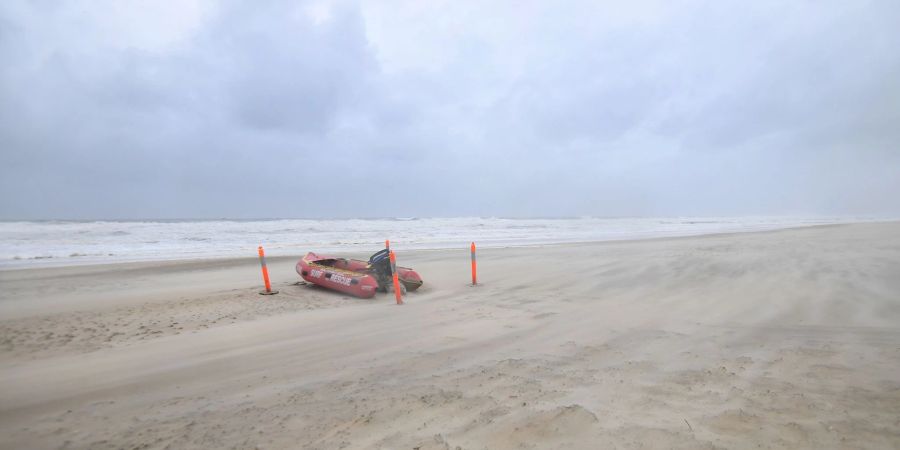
column 787, row 339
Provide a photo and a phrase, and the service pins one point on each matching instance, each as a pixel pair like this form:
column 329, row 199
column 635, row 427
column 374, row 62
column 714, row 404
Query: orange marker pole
column 387, row 244
column 265, row 273
column 474, row 269
column 396, row 279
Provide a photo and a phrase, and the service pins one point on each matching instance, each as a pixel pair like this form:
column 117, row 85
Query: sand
column 785, row 339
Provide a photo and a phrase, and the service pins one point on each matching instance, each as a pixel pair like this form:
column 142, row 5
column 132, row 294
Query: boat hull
column 350, row 276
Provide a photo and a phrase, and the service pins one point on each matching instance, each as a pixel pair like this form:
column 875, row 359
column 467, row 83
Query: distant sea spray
column 42, row 243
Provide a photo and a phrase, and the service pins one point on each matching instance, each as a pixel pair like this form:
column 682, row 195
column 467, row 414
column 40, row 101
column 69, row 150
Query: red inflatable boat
column 355, row 277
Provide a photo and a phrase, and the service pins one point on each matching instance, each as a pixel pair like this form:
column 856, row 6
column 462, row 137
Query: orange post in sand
column 474, row 270
column 396, row 279
column 265, row 273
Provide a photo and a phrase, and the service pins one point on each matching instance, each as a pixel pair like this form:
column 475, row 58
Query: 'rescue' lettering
column 340, row 279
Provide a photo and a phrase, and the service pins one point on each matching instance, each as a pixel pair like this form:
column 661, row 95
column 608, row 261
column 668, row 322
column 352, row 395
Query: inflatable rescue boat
column 356, row 277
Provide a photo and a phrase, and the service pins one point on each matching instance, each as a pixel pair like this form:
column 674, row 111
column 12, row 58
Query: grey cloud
column 263, row 110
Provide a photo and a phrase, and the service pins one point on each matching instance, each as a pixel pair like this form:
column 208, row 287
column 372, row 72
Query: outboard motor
column 380, row 263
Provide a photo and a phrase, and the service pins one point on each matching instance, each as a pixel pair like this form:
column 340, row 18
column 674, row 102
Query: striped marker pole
column 396, row 279
column 474, row 268
column 265, row 273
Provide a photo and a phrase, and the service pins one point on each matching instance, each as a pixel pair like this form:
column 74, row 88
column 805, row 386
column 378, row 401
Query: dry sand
column 787, row 339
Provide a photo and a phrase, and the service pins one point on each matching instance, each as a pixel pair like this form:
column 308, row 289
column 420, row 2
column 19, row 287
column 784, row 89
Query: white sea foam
column 25, row 244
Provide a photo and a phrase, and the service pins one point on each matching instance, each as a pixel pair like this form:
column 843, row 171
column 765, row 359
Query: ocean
column 56, row 243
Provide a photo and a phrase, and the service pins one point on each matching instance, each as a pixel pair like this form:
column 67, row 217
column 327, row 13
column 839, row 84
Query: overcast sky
column 184, row 109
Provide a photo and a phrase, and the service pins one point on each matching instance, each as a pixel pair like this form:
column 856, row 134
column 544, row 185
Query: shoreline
column 144, row 263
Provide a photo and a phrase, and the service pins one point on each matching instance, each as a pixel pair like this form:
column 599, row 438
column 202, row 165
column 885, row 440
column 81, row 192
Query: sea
column 59, row 242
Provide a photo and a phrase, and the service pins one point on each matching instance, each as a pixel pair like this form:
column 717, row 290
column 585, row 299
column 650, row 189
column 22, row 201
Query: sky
column 261, row 109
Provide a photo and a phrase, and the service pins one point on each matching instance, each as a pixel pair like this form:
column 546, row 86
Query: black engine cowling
column 380, row 263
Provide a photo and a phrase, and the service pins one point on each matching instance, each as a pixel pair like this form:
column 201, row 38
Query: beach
column 774, row 339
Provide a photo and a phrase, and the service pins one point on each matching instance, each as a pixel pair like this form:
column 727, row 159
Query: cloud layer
column 340, row 109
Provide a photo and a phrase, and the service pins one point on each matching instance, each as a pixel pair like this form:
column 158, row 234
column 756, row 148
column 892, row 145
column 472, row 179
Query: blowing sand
column 787, row 339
